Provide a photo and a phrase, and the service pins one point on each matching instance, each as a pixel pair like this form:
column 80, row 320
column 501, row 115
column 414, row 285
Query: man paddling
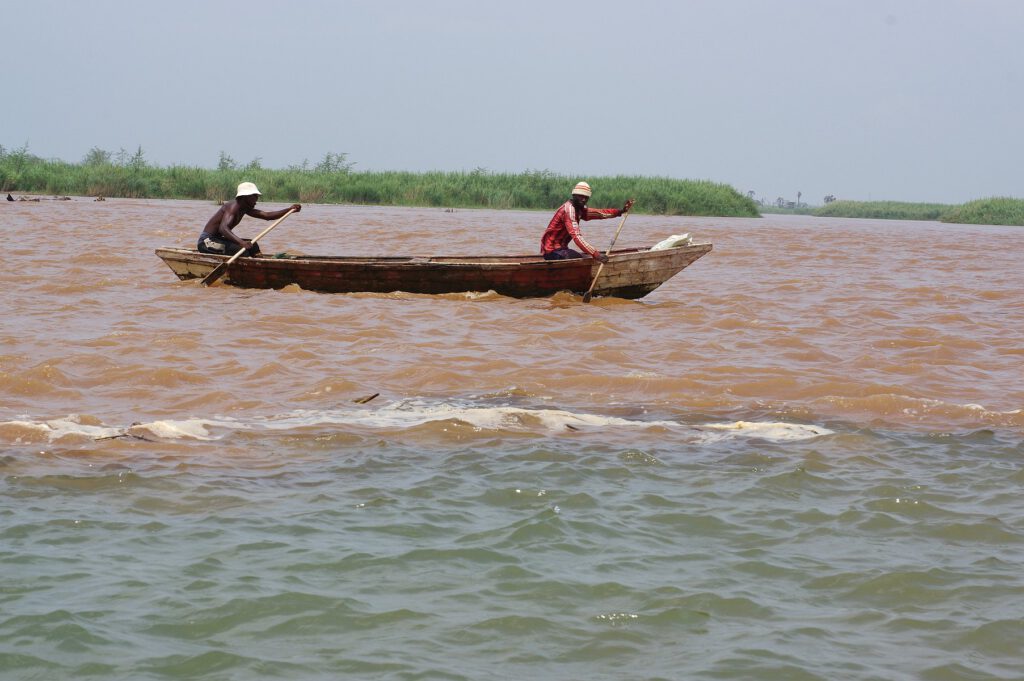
column 565, row 226
column 218, row 237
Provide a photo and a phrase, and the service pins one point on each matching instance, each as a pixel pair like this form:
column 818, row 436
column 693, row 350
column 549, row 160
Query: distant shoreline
column 334, row 182
column 990, row 211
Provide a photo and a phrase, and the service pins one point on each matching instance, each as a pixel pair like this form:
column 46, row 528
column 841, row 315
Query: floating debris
column 127, row 433
column 364, row 400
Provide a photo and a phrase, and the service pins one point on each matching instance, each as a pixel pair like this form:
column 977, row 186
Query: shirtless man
column 217, row 236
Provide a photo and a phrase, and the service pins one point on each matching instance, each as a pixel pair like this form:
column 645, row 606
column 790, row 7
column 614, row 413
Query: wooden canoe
column 629, row 273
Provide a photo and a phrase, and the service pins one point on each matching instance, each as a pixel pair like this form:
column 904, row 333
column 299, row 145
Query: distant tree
column 138, row 159
column 255, row 164
column 334, row 163
column 225, row 162
column 18, row 157
column 830, row 198
column 97, row 157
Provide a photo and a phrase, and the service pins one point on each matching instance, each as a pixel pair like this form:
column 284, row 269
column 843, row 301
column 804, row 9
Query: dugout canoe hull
column 629, row 273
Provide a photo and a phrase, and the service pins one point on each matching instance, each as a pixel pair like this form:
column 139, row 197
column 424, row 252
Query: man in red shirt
column 565, row 226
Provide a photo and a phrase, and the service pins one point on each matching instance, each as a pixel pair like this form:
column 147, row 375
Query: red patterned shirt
column 565, row 225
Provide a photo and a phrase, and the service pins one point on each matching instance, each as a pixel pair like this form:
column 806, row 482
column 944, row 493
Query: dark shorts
column 562, row 254
column 218, row 246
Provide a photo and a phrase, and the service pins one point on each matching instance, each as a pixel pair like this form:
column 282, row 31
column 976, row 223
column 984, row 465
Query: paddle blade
column 586, row 296
column 216, row 274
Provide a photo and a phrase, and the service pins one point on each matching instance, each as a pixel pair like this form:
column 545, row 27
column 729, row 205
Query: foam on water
column 776, row 432
column 170, row 430
column 51, row 430
column 408, row 414
column 54, row 429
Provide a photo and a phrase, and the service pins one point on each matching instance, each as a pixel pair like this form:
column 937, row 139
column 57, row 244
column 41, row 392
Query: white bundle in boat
column 674, row 241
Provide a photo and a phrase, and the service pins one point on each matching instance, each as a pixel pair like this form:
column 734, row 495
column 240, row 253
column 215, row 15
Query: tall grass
column 335, row 182
column 884, row 210
column 993, row 211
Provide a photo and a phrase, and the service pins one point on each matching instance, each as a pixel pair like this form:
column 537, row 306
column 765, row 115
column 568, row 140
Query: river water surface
column 801, row 458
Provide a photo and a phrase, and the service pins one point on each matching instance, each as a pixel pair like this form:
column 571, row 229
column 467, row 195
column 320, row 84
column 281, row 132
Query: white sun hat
column 247, row 189
column 581, row 188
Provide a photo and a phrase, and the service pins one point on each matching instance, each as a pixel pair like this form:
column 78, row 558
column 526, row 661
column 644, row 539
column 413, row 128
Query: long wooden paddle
column 586, row 296
column 220, row 269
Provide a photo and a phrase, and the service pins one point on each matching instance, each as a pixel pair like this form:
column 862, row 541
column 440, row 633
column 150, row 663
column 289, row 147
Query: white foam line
column 412, row 413
column 409, row 414
column 58, row 428
column 779, row 432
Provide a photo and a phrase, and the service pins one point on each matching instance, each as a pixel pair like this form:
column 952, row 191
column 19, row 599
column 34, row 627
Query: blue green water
column 859, row 554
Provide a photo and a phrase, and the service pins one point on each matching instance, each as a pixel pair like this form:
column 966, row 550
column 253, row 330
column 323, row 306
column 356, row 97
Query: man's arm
column 600, row 213
column 274, row 214
column 605, row 213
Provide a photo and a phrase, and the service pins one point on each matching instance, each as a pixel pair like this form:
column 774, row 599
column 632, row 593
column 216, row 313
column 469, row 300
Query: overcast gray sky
column 911, row 100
